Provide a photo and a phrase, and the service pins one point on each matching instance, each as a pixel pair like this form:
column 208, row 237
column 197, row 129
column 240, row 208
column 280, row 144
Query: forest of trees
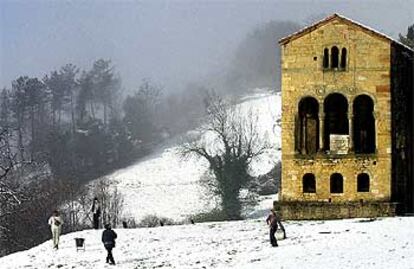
column 76, row 123
column 60, row 131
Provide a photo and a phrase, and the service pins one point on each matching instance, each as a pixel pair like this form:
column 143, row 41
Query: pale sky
column 170, row 42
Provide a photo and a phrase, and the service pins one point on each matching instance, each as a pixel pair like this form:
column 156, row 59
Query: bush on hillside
column 211, row 216
column 154, row 221
column 269, row 183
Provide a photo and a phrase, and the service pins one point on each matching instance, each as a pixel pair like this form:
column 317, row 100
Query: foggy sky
column 170, row 42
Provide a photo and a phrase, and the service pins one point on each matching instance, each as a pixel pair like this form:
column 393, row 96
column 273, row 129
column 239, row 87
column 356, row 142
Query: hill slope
column 384, row 243
column 165, row 185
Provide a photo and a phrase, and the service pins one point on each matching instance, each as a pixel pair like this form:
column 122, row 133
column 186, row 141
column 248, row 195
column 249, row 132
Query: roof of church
column 317, row 24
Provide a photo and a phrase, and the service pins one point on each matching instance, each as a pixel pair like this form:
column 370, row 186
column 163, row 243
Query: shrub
column 154, row 221
column 213, row 215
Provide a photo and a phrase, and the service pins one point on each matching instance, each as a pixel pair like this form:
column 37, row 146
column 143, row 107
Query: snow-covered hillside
column 353, row 243
column 165, row 185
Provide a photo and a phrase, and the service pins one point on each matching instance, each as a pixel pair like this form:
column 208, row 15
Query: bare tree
column 11, row 196
column 111, row 201
column 75, row 207
column 7, row 158
column 8, row 194
column 28, row 195
column 230, row 142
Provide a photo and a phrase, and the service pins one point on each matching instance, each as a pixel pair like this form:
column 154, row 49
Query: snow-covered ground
column 166, row 185
column 353, row 243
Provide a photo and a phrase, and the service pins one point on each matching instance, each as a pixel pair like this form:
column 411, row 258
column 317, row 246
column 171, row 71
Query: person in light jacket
column 55, row 222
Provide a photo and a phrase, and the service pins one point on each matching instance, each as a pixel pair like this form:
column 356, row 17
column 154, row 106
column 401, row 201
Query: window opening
column 337, row 183
column 363, row 125
column 325, row 58
column 363, row 182
column 336, row 117
column 343, row 58
column 309, row 183
column 308, row 126
column 334, row 57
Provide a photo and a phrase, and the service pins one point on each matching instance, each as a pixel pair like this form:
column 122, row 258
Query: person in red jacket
column 273, row 220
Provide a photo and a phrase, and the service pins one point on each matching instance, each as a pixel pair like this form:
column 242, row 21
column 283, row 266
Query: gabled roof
column 328, row 19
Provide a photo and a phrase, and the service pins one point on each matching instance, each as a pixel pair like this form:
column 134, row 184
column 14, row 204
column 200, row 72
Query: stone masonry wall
column 318, row 210
column 367, row 72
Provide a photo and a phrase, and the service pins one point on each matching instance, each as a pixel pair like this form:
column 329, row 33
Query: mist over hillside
column 170, row 42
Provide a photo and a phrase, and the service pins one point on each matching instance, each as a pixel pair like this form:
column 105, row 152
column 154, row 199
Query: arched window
column 309, row 183
column 363, row 124
column 308, row 126
column 343, row 58
column 363, row 182
column 336, row 117
column 334, row 57
column 337, row 183
column 326, row 58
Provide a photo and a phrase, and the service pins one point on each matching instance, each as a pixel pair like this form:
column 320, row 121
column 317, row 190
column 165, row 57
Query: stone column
column 321, row 129
column 374, row 116
column 350, row 129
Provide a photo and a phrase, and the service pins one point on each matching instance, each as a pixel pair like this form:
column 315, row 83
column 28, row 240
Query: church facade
column 347, row 122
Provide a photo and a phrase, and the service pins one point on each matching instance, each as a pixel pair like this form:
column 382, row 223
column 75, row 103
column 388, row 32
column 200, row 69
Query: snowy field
column 354, row 243
column 168, row 186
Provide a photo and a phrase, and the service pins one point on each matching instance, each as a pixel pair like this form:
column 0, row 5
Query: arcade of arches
column 355, row 122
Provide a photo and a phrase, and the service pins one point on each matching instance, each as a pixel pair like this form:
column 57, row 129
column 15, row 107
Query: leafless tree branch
column 229, row 143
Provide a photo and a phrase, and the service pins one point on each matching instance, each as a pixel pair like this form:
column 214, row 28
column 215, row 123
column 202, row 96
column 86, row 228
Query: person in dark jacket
column 108, row 239
column 273, row 220
column 96, row 213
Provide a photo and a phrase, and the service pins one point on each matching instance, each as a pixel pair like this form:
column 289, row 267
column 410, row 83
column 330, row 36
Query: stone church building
column 347, row 122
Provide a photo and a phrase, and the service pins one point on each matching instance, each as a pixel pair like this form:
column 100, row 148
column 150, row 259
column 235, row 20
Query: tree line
column 60, row 131
column 76, row 123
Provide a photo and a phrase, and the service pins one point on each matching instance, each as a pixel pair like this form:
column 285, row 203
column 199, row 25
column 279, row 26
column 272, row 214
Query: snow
column 166, row 185
column 351, row 243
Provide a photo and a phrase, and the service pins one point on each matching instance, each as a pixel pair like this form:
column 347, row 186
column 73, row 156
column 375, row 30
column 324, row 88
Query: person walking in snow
column 96, row 213
column 55, row 222
column 108, row 239
column 273, row 220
